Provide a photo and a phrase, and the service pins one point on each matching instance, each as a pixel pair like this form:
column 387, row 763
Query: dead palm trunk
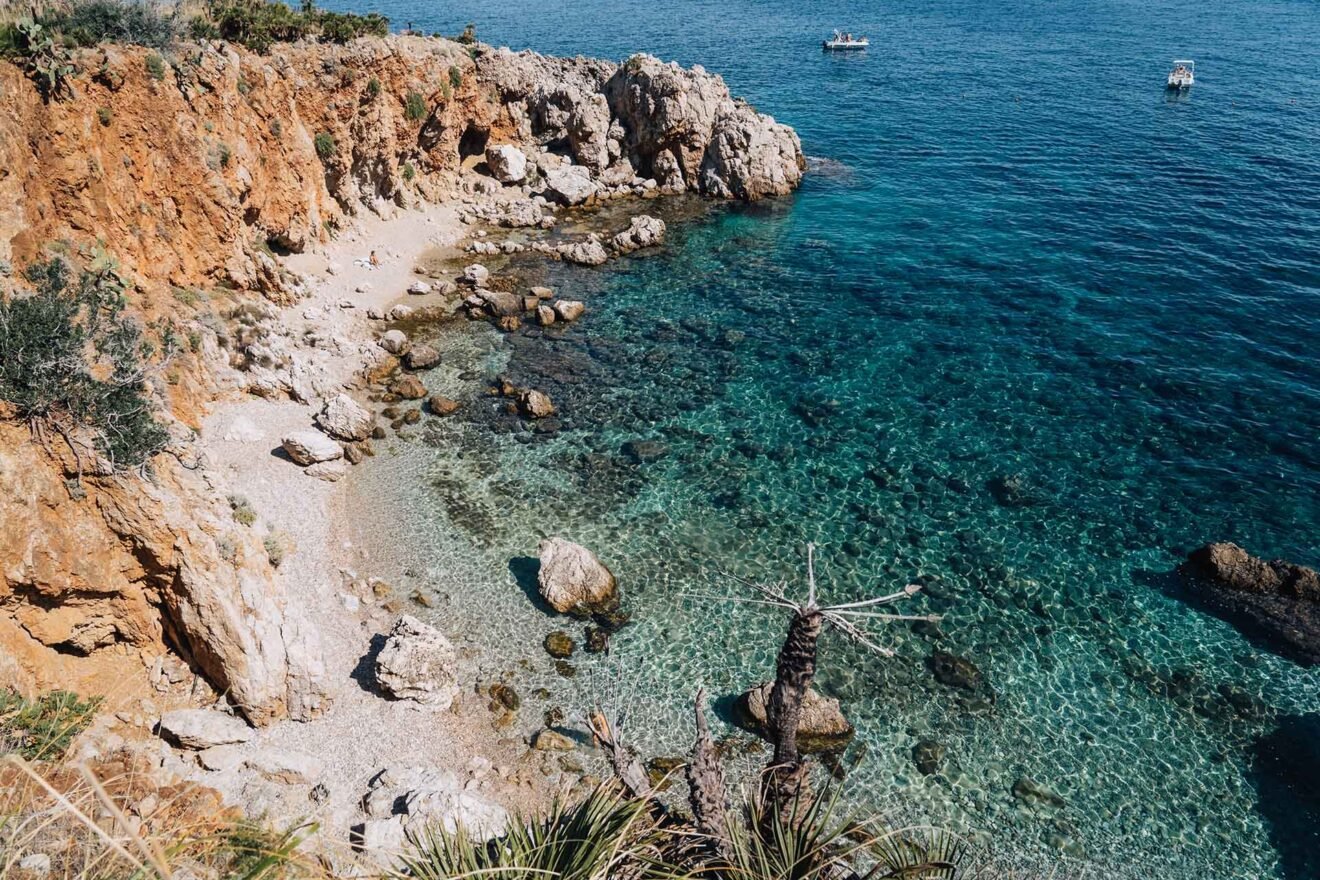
column 705, row 776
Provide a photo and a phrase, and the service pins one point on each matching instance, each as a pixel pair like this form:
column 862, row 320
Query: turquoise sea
column 1016, row 259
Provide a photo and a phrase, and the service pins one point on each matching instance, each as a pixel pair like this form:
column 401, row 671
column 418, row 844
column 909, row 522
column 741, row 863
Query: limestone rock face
column 822, row 727
column 573, row 580
column 91, row 583
column 203, row 728
column 507, row 163
column 418, row 663
column 310, row 447
column 344, row 418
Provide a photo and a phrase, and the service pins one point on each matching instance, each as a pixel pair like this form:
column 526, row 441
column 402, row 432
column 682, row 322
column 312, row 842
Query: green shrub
column 88, row 22
column 373, row 88
column 48, row 64
column 414, row 106
column 244, row 514
column 104, row 115
column 276, row 128
column 275, row 550
column 244, row 87
column 202, row 28
column 70, row 358
column 258, row 25
column 45, row 727
column 325, row 144
column 469, row 35
column 409, row 172
column 155, row 66
column 455, row 76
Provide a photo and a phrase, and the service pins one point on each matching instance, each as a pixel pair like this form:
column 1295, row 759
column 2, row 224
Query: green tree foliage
column 70, row 358
column 258, row 24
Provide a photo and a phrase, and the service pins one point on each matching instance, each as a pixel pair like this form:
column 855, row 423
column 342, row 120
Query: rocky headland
column 272, row 211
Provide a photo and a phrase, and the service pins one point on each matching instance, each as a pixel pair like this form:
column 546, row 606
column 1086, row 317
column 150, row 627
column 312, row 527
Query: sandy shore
column 362, row 732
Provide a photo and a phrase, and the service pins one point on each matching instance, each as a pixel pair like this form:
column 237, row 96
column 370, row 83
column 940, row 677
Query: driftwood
column 625, row 764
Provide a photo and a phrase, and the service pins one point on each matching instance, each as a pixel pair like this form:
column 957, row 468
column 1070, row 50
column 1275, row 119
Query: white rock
column 507, row 163
column 418, row 663
column 221, row 758
column 330, row 471
column 35, row 863
column 242, row 430
column 644, row 231
column 394, row 341
column 398, row 313
column 477, row 275
column 419, row 287
column 568, row 309
column 286, row 766
column 203, row 728
column 588, row 252
column 572, row 185
column 342, row 417
column 572, row 579
column 311, row 447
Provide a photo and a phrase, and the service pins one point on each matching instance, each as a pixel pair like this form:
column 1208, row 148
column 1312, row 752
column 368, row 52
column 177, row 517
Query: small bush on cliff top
column 258, row 24
column 70, row 358
column 88, row 22
column 42, row 728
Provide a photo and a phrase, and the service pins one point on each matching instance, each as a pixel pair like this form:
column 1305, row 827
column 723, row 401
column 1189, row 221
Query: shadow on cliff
column 1285, row 771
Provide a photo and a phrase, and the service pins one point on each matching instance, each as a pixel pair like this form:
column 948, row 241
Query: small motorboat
column 842, row 42
column 1183, row 75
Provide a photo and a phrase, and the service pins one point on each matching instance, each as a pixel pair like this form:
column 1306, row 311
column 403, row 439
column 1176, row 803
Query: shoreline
column 333, row 577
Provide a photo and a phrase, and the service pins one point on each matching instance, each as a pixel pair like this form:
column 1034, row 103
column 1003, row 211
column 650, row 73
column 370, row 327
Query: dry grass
column 112, row 820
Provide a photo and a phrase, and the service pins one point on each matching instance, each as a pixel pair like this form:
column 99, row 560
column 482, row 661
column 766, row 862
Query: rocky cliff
column 195, row 175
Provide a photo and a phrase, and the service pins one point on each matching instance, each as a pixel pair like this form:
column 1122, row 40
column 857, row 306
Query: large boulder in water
column 1274, row 600
column 573, row 580
column 822, row 726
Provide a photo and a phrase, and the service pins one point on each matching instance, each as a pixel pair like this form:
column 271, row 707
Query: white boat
column 844, row 42
column 1183, row 74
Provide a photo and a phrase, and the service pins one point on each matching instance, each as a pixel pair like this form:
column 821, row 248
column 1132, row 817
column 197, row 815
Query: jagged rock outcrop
column 677, row 125
column 1276, row 600
column 642, row 232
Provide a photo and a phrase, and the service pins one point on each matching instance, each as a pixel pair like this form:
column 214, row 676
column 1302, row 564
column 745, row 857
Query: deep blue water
column 1016, row 256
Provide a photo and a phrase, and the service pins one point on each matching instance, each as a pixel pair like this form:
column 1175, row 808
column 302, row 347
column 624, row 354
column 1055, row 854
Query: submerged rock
column 408, row 387
column 1033, row 794
column 573, row 580
column 421, row 357
column 928, row 755
column 559, row 645
column 442, row 406
column 1276, row 600
column 418, row 663
column 642, row 451
column 957, row 672
column 821, row 728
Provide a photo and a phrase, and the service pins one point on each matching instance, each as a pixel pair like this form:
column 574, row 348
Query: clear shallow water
column 1018, row 257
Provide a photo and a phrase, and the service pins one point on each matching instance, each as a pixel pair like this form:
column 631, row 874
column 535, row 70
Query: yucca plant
column 592, row 840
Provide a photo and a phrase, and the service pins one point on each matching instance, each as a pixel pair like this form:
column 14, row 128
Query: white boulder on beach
column 417, row 663
column 310, row 447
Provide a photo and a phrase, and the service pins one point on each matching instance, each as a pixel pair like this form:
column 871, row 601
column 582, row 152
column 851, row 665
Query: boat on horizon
column 844, row 42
